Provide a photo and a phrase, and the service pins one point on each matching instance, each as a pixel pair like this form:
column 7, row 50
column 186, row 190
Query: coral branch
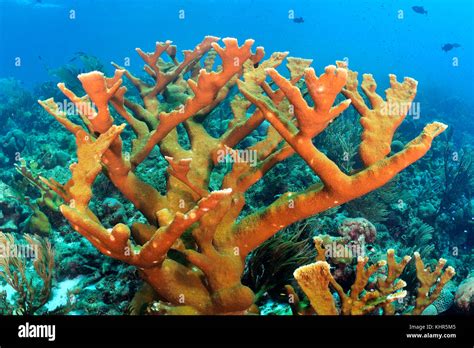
column 382, row 120
column 389, row 284
column 205, row 91
column 180, row 171
column 437, row 279
column 338, row 187
column 100, row 90
column 116, row 242
column 316, row 278
column 316, row 281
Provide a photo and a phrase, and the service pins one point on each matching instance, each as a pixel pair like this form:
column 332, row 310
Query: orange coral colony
column 206, row 227
column 316, row 281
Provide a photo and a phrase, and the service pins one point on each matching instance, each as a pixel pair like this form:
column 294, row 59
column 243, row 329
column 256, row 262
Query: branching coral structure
column 316, row 281
column 206, row 231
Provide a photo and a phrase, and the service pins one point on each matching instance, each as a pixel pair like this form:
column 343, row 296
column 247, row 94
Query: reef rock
column 464, row 298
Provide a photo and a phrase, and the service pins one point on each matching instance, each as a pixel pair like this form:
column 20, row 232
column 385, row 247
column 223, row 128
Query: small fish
column 77, row 55
column 448, row 47
column 298, row 20
column 420, row 10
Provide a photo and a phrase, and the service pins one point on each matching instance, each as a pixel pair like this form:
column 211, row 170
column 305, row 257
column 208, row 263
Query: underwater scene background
column 234, row 179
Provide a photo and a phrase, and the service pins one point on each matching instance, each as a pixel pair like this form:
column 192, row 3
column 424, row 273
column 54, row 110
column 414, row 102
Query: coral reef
column 12, row 213
column 464, row 297
column 192, row 244
column 316, row 281
column 356, row 229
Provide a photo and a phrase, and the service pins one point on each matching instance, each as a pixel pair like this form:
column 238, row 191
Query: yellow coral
column 317, row 281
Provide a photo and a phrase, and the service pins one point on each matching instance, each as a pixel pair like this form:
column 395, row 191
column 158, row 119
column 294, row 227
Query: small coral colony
column 224, row 183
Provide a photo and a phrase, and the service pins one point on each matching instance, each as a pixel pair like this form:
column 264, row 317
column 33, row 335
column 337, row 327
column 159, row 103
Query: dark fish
column 419, row 9
column 448, row 47
column 77, row 55
column 298, row 20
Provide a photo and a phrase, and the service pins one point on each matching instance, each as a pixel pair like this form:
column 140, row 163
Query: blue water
column 370, row 33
